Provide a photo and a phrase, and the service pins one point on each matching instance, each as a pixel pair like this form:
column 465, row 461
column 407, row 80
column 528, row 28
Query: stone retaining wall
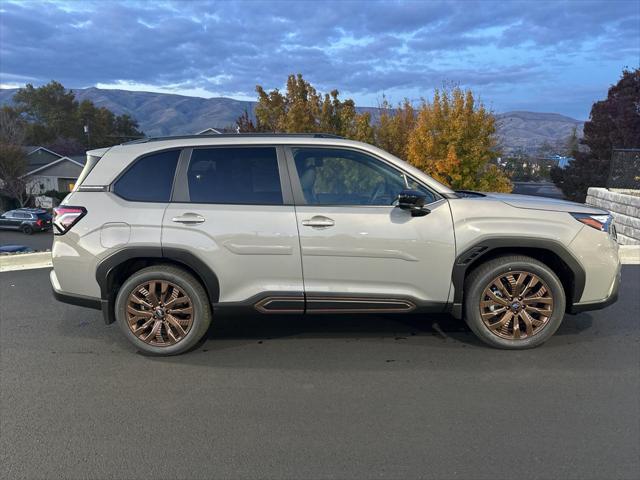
column 625, row 207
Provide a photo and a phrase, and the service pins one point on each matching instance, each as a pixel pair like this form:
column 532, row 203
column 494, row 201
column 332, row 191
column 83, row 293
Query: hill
column 529, row 130
column 167, row 114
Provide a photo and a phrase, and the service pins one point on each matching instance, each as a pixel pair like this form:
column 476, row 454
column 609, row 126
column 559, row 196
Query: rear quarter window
column 149, row 179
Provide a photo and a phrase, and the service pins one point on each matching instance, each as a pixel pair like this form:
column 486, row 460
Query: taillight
column 66, row 217
column 39, row 222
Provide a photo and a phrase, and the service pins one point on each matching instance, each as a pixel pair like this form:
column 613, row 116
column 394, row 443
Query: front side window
column 235, row 175
column 149, row 179
column 330, row 176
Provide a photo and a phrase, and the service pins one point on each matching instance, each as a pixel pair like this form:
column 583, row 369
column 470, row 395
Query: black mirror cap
column 408, row 199
column 414, row 201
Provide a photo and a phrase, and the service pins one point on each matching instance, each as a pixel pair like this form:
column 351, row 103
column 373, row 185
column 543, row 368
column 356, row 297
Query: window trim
column 296, row 186
column 181, row 190
column 112, row 185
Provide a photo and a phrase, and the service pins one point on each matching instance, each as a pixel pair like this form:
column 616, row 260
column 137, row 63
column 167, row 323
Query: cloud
column 365, row 48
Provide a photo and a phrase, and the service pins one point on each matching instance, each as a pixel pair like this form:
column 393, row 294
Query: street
column 39, row 241
column 538, row 189
column 316, row 397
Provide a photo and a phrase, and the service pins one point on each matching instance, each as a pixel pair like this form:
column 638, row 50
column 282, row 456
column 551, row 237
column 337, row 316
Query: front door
column 359, row 251
column 232, row 207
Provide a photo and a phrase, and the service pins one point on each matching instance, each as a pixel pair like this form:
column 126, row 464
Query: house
column 48, row 170
column 210, row 131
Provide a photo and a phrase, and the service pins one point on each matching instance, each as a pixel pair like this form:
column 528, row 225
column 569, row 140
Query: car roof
column 30, row 210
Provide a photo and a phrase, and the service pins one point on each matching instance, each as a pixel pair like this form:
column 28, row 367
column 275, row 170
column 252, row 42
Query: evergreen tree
column 613, row 123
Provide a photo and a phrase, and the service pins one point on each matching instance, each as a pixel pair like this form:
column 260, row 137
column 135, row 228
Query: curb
column 629, row 255
column 25, row 261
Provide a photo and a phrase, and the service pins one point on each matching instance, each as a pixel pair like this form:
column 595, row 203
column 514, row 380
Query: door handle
column 318, row 221
column 189, row 219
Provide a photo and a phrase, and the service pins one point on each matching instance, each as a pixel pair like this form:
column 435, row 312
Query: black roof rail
column 233, row 135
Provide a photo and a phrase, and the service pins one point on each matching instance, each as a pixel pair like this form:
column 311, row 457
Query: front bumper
column 600, row 304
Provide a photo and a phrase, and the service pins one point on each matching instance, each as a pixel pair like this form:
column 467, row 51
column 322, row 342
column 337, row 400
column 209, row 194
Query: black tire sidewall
column 26, row 229
column 200, row 302
column 495, row 269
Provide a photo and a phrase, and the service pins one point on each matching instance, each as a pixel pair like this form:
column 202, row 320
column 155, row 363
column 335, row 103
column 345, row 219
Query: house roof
column 39, row 156
column 30, row 149
column 50, row 164
column 81, row 159
column 208, row 131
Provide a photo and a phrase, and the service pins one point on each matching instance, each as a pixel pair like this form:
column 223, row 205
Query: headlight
column 600, row 222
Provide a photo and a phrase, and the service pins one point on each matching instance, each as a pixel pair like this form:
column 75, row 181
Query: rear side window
column 247, row 175
column 149, row 179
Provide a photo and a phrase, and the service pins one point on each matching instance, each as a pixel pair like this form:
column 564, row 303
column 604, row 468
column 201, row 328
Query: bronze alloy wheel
column 159, row 313
column 516, row 305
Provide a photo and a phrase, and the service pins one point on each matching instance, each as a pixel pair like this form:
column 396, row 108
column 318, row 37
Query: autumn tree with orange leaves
column 454, row 141
column 452, row 138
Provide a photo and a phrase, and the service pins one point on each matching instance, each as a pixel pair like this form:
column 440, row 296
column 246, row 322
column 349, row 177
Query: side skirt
column 298, row 303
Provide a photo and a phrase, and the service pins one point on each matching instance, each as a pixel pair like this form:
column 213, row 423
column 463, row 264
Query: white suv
column 163, row 234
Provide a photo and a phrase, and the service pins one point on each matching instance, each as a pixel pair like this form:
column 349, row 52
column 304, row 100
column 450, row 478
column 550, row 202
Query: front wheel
column 163, row 310
column 514, row 302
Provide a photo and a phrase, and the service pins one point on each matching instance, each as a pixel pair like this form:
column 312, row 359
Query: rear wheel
column 27, row 229
column 514, row 302
column 163, row 310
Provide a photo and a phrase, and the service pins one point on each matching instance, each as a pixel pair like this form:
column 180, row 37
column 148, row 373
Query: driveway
column 316, row 397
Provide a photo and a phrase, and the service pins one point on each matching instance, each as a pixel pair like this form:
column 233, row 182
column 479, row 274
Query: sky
column 549, row 56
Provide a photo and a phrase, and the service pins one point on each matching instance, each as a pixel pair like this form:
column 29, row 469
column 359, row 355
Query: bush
column 56, row 194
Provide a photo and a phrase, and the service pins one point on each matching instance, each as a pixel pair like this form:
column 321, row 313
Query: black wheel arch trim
column 485, row 246
column 179, row 256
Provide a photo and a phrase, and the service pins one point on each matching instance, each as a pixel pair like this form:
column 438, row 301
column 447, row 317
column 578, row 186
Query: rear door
column 359, row 251
column 232, row 207
column 7, row 220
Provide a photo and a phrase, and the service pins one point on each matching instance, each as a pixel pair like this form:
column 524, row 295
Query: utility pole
column 88, row 134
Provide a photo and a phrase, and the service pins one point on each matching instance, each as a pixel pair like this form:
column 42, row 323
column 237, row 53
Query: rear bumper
column 81, row 300
column 611, row 299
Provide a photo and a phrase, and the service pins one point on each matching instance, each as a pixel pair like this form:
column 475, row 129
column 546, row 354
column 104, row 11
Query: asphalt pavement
column 315, row 397
column 538, row 189
column 38, row 241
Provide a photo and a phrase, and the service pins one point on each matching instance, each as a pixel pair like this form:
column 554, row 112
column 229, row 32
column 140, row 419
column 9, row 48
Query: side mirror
column 413, row 200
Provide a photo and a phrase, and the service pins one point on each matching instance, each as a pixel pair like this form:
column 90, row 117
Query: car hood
column 544, row 203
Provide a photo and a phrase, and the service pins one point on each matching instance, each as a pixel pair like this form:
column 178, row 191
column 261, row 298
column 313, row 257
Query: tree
column 12, row 127
column 52, row 116
column 454, row 139
column 572, row 143
column 394, row 126
column 13, row 165
column 302, row 109
column 244, row 124
column 613, row 123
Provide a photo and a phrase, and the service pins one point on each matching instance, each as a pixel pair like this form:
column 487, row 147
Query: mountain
column 167, row 114
column 529, row 130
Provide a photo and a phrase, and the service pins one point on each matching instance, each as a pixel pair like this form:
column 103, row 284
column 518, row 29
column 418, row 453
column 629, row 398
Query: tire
column 186, row 321
column 26, row 229
column 538, row 313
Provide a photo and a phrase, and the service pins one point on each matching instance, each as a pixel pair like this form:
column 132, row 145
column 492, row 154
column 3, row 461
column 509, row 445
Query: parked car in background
column 163, row 234
column 27, row 220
